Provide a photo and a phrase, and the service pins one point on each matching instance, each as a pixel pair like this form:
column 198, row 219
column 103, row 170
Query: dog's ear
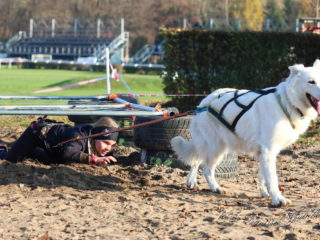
column 316, row 64
column 295, row 69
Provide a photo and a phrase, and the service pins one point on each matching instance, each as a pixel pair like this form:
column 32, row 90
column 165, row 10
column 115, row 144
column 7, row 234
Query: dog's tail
column 184, row 149
column 214, row 95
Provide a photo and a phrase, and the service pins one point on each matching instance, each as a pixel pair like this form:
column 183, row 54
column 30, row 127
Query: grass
column 312, row 135
column 17, row 81
column 22, row 82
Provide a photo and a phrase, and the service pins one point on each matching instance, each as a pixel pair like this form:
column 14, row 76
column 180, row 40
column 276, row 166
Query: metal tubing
column 102, row 97
column 84, row 113
column 58, row 107
column 133, row 105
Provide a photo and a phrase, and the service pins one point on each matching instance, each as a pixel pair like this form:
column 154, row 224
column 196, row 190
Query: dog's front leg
column 269, row 171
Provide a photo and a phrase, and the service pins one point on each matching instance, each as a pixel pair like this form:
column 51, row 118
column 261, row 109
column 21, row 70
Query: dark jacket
column 33, row 143
column 74, row 151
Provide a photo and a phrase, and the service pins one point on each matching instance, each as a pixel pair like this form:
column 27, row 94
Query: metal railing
column 16, row 38
column 117, row 44
column 143, row 55
column 105, row 107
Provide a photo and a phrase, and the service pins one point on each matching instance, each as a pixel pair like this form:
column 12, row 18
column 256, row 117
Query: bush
column 199, row 61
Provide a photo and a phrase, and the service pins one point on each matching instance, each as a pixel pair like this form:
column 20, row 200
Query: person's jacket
column 74, row 151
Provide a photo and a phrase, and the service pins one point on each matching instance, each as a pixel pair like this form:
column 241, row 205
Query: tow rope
column 125, row 128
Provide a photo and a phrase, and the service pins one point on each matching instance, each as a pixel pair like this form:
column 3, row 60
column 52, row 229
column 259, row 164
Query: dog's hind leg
column 188, row 154
column 197, row 159
column 213, row 159
column 262, row 185
column 192, row 176
column 268, row 167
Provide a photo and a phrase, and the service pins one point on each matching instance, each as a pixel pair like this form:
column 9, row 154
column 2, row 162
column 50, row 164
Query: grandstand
column 70, row 40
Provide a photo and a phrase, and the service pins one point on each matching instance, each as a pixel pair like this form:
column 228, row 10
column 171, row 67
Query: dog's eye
column 312, row 82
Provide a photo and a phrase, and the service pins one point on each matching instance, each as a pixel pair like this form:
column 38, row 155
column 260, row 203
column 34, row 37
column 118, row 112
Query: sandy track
column 130, row 200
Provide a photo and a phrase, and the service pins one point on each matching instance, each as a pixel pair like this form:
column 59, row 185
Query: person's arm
column 74, row 151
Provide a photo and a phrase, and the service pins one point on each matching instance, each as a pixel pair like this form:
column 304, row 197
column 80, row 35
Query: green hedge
column 199, row 61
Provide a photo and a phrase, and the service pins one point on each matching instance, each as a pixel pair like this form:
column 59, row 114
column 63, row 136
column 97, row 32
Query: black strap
column 221, row 119
column 236, row 99
column 235, row 96
column 245, row 108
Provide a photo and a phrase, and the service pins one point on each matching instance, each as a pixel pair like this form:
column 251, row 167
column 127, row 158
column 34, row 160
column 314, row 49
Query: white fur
column 261, row 132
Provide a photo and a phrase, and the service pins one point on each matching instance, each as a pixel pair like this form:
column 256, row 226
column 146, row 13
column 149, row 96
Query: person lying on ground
column 40, row 140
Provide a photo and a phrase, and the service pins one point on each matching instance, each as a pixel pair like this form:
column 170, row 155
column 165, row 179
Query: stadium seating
column 58, row 47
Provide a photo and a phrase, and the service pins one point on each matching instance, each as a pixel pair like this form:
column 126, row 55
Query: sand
column 131, row 200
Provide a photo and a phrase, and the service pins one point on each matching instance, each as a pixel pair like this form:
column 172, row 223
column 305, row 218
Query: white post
column 298, row 25
column 122, row 25
column 108, row 71
column 98, row 27
column 185, row 22
column 53, row 27
column 211, row 23
column 31, row 28
column 75, row 28
column 122, row 39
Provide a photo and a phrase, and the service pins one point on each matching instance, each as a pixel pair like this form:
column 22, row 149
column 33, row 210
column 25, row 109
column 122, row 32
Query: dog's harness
column 286, row 112
column 245, row 108
column 262, row 92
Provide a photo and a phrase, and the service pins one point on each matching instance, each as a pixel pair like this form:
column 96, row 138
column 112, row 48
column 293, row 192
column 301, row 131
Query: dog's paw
column 264, row 194
column 218, row 190
column 281, row 202
column 192, row 184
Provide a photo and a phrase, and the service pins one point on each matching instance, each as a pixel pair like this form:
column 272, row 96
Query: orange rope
column 125, row 128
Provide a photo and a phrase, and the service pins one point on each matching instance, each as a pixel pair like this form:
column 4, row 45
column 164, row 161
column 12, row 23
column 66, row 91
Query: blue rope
column 200, row 110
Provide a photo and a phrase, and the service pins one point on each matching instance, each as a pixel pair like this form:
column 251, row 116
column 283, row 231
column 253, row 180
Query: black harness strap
column 245, row 108
column 231, row 100
column 221, row 119
column 236, row 99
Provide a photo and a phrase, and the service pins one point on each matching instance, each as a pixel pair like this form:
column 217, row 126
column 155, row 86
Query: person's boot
column 24, row 146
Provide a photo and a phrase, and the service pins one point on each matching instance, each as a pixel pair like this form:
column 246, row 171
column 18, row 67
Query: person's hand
column 102, row 161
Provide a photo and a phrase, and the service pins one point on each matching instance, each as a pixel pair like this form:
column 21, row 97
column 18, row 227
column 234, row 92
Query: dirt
column 131, row 200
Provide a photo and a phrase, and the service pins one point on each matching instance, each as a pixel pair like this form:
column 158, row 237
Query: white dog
column 257, row 123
